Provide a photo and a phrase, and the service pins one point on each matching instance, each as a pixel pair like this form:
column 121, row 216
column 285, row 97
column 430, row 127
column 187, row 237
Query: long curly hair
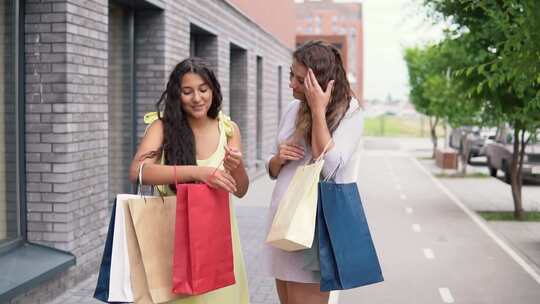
column 326, row 62
column 178, row 140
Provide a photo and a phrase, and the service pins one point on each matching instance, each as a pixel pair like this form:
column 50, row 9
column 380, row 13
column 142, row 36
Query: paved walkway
column 251, row 214
column 431, row 252
column 432, row 247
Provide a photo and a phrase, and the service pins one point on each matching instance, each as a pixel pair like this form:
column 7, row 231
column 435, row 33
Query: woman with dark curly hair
column 190, row 132
column 324, row 111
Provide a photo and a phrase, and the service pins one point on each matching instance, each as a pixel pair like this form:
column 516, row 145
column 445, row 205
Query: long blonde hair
column 326, row 62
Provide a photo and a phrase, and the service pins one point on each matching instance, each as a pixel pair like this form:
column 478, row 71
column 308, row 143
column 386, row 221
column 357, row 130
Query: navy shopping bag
column 347, row 255
column 102, row 288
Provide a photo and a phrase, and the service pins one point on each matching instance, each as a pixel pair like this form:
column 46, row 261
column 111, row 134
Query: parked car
column 457, row 135
column 499, row 156
column 474, row 144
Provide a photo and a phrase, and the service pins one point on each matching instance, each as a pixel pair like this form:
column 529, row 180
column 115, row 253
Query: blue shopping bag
column 102, row 288
column 347, row 255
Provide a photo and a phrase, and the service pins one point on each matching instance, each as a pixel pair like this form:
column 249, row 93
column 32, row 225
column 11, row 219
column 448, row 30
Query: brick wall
column 67, row 132
column 151, row 70
column 8, row 124
column 68, row 99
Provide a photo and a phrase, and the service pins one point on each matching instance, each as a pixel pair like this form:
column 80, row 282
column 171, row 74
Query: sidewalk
column 431, row 248
column 480, row 194
column 493, row 194
column 476, row 193
column 251, row 213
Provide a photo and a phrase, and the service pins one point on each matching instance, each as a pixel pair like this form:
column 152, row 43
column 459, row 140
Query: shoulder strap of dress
column 226, row 124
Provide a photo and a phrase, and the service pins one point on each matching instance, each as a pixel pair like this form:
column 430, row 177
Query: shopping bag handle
column 139, row 182
column 175, row 176
column 332, row 176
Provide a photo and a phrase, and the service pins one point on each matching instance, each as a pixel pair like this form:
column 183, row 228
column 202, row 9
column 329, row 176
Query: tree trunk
column 464, row 162
column 515, row 171
column 433, row 132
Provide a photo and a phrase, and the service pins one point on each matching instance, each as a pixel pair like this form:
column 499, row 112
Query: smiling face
column 297, row 75
column 195, row 95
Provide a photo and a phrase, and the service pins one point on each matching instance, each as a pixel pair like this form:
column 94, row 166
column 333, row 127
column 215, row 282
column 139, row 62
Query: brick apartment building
column 339, row 23
column 76, row 78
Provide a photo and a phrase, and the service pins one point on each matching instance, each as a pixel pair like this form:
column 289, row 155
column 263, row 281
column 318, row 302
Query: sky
column 389, row 27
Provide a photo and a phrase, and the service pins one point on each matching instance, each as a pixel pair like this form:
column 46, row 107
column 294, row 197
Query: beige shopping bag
column 139, row 286
column 154, row 219
column 293, row 226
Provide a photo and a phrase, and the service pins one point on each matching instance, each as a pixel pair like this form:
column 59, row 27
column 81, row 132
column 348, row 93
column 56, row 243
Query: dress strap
column 226, row 124
column 150, row 117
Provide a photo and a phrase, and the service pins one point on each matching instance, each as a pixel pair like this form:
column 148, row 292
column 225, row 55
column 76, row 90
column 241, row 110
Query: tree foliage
column 501, row 39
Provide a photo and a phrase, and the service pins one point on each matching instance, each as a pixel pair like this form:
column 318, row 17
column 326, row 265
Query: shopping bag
column 346, row 251
column 153, row 219
column 139, row 285
column 203, row 254
column 102, row 287
column 120, row 278
column 293, row 226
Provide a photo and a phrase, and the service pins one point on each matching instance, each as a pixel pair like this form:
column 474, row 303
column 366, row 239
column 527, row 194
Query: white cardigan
column 288, row 266
column 346, row 142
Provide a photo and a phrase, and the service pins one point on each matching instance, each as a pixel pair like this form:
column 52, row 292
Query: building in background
column 339, row 23
column 76, row 78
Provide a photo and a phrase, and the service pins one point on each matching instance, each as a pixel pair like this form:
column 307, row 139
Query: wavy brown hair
column 326, row 62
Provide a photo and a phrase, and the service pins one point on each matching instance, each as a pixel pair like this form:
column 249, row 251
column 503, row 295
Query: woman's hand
column 216, row 178
column 317, row 99
column 288, row 152
column 233, row 159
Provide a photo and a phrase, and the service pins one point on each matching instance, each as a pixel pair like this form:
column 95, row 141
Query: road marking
column 403, row 197
column 483, row 226
column 446, row 295
column 416, row 228
column 428, row 253
column 409, row 210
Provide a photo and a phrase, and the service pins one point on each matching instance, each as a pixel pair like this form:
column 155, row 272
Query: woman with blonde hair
column 324, row 111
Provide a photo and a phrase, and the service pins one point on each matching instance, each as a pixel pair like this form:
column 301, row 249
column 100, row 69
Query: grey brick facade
column 72, row 115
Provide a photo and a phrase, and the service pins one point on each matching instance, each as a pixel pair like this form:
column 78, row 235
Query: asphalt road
column 430, row 249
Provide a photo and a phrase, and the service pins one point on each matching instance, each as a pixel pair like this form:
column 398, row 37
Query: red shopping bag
column 203, row 254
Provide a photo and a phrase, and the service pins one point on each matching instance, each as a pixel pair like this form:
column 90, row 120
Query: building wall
column 8, row 123
column 66, row 132
column 265, row 14
column 67, row 108
column 328, row 18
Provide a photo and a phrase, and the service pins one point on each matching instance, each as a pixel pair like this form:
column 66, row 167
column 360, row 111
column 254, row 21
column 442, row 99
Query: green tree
column 419, row 72
column 503, row 37
column 435, row 91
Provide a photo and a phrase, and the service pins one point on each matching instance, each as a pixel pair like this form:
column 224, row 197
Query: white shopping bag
column 120, row 281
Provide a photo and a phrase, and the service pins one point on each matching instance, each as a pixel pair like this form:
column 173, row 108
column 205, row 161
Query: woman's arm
column 274, row 166
column 282, row 153
column 320, row 134
column 234, row 162
column 287, row 152
column 318, row 100
column 346, row 139
column 149, row 153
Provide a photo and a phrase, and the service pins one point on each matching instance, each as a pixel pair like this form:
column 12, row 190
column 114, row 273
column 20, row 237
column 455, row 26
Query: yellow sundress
column 237, row 293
